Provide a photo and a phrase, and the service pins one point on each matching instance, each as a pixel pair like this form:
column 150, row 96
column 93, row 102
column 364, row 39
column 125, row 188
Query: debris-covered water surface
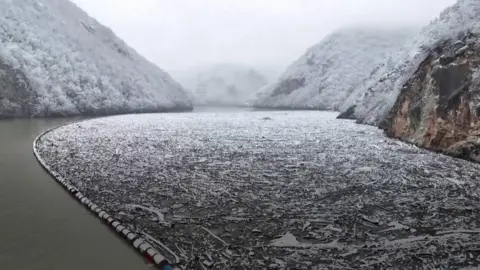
column 274, row 190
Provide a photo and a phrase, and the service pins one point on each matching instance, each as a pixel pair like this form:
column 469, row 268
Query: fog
column 267, row 34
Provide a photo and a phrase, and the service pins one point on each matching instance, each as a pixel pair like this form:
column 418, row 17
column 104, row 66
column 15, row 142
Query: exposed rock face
column 348, row 114
column 439, row 107
column 55, row 60
column 377, row 94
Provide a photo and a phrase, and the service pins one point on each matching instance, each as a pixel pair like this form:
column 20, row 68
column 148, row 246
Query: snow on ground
column 56, row 60
column 327, row 73
column 222, row 84
column 275, row 190
column 377, row 94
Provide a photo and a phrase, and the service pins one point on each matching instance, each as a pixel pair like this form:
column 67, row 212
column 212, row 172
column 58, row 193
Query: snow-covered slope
column 327, row 73
column 56, row 60
column 377, row 94
column 222, row 84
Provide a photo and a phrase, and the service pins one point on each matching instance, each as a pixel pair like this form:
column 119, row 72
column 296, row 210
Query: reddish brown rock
column 439, row 107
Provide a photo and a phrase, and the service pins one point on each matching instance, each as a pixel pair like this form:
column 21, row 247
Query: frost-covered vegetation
column 56, row 60
column 377, row 94
column 274, row 190
column 366, row 68
column 222, row 84
column 328, row 72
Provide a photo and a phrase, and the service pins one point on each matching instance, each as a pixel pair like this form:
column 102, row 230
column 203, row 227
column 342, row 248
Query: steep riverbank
column 438, row 108
column 55, row 60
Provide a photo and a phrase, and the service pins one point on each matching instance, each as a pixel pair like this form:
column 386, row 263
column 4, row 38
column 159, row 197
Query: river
column 289, row 184
column 274, row 189
column 41, row 226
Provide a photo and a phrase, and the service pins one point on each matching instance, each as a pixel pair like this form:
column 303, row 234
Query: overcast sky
column 179, row 34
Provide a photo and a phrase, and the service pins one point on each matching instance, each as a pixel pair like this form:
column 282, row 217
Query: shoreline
column 145, row 249
column 43, row 228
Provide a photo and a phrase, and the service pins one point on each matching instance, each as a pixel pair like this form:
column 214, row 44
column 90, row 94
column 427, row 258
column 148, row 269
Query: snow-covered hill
column 377, row 94
column 222, row 84
column 56, row 60
column 328, row 72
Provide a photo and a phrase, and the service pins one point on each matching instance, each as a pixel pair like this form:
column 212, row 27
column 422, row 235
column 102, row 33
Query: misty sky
column 179, row 34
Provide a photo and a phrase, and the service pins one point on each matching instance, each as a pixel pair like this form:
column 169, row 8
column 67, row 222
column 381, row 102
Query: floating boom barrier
column 139, row 244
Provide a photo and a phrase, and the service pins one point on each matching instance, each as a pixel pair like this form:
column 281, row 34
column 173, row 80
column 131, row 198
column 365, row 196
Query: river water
column 290, row 184
column 41, row 227
column 283, row 189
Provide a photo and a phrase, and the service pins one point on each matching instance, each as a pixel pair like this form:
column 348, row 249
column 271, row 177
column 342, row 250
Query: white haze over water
column 267, row 34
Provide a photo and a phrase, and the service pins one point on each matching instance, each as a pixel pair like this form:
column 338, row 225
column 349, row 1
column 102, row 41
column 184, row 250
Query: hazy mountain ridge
column 328, row 72
column 56, row 60
column 377, row 94
column 222, row 84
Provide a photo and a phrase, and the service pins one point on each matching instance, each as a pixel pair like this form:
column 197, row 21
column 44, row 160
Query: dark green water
column 41, row 226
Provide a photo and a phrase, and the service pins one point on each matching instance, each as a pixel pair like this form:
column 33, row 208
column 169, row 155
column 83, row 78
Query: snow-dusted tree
column 56, row 60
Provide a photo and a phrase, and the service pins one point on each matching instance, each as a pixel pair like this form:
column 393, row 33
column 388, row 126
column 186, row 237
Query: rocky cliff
column 55, row 60
column 439, row 106
column 376, row 95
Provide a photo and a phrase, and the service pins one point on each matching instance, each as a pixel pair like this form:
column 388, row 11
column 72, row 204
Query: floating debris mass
column 301, row 191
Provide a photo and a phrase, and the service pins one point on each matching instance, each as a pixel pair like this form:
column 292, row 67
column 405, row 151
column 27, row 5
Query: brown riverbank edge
column 139, row 244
